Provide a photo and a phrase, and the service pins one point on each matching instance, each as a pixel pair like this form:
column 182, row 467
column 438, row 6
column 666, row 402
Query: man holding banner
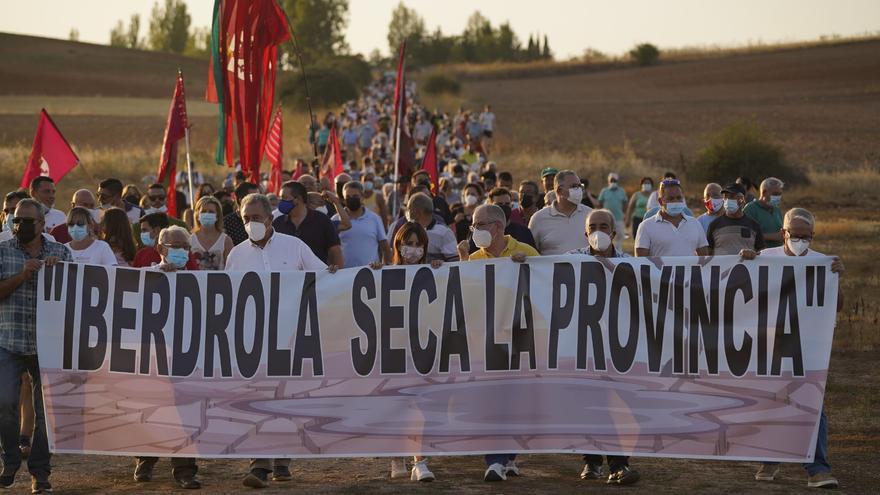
column 20, row 260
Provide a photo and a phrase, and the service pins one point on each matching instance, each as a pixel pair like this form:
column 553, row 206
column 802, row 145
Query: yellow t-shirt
column 513, row 247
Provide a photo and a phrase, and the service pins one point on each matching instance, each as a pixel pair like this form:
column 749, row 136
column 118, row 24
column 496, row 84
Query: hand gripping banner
column 674, row 357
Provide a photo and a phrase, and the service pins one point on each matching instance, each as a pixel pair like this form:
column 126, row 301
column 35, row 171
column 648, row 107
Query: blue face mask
column 285, row 206
column 675, row 209
column 207, row 219
column 146, row 240
column 7, row 225
column 775, row 200
column 177, row 257
column 78, row 232
column 731, row 205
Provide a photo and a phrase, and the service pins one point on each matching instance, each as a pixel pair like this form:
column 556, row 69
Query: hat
column 613, row 176
column 548, row 171
column 734, row 188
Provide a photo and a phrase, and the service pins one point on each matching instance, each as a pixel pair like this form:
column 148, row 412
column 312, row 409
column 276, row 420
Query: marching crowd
column 366, row 218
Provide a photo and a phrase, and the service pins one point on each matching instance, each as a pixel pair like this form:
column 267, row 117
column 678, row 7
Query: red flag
column 405, row 153
column 51, row 154
column 175, row 130
column 244, row 44
column 299, row 170
column 275, row 154
column 429, row 162
column 331, row 165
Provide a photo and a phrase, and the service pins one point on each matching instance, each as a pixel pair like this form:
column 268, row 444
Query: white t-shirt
column 98, row 253
column 282, row 253
column 54, row 218
column 558, row 233
column 661, row 238
column 442, row 244
column 780, row 251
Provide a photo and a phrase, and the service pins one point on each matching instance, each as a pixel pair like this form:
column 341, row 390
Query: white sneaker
column 767, row 472
column 398, row 468
column 495, row 472
column 420, row 472
column 510, row 468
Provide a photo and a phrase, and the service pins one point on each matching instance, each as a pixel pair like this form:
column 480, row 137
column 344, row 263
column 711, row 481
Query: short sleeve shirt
column 316, row 230
column 770, row 219
column 558, row 233
column 513, row 247
column 281, row 253
column 728, row 235
column 613, row 199
column 360, row 243
column 98, row 253
column 661, row 238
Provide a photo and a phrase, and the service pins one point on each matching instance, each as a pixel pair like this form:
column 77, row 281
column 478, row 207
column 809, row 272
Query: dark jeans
column 636, row 221
column 499, row 458
column 12, row 366
column 269, row 464
column 615, row 462
column 180, row 466
column 820, row 460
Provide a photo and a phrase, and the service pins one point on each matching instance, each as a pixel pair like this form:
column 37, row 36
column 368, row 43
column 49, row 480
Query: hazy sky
column 571, row 25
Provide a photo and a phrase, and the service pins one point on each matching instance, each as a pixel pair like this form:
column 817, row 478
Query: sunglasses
column 81, row 223
column 23, row 221
column 156, row 198
column 671, row 182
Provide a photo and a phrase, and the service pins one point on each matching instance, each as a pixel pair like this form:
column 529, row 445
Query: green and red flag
column 244, row 55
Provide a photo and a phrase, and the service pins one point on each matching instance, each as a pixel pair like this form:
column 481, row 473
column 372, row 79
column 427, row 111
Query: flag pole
column 189, row 171
column 302, row 68
column 397, row 126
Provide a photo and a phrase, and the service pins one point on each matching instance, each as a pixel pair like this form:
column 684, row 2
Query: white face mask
column 96, row 214
column 575, row 195
column 646, row 187
column 599, row 241
column 470, row 200
column 256, row 231
column 798, row 246
column 162, row 209
column 322, row 209
column 412, row 254
column 482, row 238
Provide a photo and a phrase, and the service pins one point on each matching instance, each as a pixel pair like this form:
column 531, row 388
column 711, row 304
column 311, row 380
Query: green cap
column 548, row 171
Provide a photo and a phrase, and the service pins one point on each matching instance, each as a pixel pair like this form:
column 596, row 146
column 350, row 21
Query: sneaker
column 398, row 468
column 767, row 472
column 510, row 468
column 7, row 477
column 281, row 473
column 495, row 472
column 143, row 472
column 40, row 484
column 188, row 482
column 24, row 443
column 822, row 480
column 420, row 472
column 257, row 478
column 591, row 472
column 623, row 476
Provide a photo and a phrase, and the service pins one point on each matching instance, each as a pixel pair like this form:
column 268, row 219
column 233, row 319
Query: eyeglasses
column 482, row 225
column 81, row 223
column 156, row 198
column 23, row 220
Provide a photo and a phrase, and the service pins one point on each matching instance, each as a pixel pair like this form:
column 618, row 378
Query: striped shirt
column 18, row 312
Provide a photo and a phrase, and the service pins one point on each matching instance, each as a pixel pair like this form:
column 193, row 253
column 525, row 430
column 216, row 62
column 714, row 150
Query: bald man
column 82, row 198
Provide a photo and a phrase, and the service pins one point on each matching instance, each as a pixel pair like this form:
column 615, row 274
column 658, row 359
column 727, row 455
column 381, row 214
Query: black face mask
column 25, row 232
column 527, row 200
column 228, row 208
column 506, row 209
column 353, row 203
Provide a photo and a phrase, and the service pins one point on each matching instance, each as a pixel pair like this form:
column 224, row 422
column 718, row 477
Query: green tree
column 645, row 54
column 169, row 27
column 406, row 24
column 199, row 42
column 319, row 26
column 546, row 53
column 129, row 38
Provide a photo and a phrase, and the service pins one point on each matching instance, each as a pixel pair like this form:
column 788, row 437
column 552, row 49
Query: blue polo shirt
column 360, row 243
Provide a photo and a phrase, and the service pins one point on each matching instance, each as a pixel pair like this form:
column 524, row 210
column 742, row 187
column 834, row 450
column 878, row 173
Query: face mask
column 207, row 219
column 353, row 203
column 675, row 209
column 646, row 187
column 177, row 257
column 714, row 204
column 370, row 170
column 599, row 241
column 368, row 186
column 78, row 232
column 527, row 201
column 162, row 209
column 322, row 209
column 470, row 200
column 798, row 246
column 775, row 200
column 731, row 205
column 96, row 214
column 506, row 209
column 285, row 206
column 146, row 240
column 482, row 238
column 24, row 232
column 7, row 225
column 613, row 185
column 575, row 195
column 412, row 254
column 256, row 231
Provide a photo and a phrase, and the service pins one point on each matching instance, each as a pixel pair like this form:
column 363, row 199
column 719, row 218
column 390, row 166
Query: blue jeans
column 12, row 366
column 820, row 460
column 499, row 458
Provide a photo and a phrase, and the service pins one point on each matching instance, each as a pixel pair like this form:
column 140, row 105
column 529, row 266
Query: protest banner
column 673, row 357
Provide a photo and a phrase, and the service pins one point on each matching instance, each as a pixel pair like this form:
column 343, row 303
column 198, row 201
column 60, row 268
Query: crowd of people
column 365, row 218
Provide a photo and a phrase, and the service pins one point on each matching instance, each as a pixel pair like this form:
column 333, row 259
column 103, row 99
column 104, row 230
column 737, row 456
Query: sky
column 612, row 27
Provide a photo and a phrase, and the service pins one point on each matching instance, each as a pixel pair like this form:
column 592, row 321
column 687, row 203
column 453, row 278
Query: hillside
column 822, row 104
column 43, row 66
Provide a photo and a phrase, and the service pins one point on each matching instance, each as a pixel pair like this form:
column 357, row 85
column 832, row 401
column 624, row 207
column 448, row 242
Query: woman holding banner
column 410, row 247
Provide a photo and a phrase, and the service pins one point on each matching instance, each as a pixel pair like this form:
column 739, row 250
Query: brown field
column 822, row 104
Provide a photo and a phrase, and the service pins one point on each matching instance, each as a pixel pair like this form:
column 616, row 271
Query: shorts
column 488, row 134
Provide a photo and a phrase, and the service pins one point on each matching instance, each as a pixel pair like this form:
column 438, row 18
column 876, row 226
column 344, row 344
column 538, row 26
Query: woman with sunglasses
column 410, row 247
column 85, row 246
